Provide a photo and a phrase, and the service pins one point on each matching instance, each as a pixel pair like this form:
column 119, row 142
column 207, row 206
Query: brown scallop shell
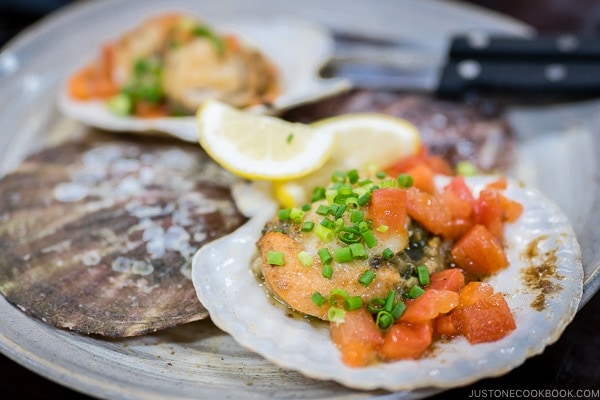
column 97, row 235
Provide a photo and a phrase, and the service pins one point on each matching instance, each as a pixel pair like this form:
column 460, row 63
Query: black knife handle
column 545, row 47
column 570, row 78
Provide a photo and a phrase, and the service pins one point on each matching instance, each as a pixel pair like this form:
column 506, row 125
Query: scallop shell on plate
column 297, row 48
column 542, row 285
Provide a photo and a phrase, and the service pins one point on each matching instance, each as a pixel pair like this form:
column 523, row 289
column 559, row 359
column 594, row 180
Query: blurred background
column 571, row 363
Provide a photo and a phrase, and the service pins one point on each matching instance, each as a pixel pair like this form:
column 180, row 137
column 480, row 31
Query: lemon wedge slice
column 260, row 147
column 364, row 140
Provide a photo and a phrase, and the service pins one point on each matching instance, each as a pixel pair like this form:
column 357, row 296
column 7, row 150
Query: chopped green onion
column 415, row 292
column 352, row 202
column 323, row 209
column 353, row 303
column 325, row 255
column 349, row 236
column 324, row 234
column 336, row 315
column 398, row 310
column 423, row 274
column 375, row 305
column 363, row 226
column 216, row 40
column 327, row 271
column 353, row 176
column 345, row 190
column 327, row 223
column 389, row 183
column 380, row 174
column 296, row 215
column 369, row 238
column 342, row 254
column 275, row 258
column 387, row 253
column 466, row 168
column 330, row 195
column 390, row 300
column 307, row 226
column 364, row 199
column 120, row 104
column 337, row 293
column 318, row 299
column 289, row 138
column 317, row 194
column 358, row 251
column 338, row 176
column 367, row 277
column 306, row 207
column 284, row 214
column 405, row 180
column 338, row 209
column 357, row 216
column 305, row 258
column 384, row 320
column 382, row 228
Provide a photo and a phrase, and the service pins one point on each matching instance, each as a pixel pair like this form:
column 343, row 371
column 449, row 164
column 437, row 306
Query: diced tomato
column 487, row 320
column 459, row 187
column 146, row 109
column 422, row 175
column 357, row 338
column 426, row 209
column 461, row 217
column 444, row 326
column 512, row 209
column 492, row 209
column 479, row 252
column 436, row 163
column 489, row 212
column 449, row 279
column 499, row 184
column 95, row 80
column 473, row 292
column 429, row 305
column 388, row 207
column 406, row 341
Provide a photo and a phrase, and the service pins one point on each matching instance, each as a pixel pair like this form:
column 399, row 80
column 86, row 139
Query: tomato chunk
column 444, row 326
column 449, row 279
column 426, row 209
column 406, row 341
column 478, row 252
column 422, row 175
column 487, row 320
column 388, row 207
column 429, row 305
column 473, row 292
column 357, row 338
column 436, row 163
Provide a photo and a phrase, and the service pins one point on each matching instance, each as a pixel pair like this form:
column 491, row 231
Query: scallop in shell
column 97, row 236
column 296, row 48
column 542, row 285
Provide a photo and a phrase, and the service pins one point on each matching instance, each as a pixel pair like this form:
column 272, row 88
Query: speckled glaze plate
column 198, row 360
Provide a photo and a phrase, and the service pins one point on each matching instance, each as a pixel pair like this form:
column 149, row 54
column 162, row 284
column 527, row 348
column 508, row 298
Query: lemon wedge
column 260, row 147
column 364, row 140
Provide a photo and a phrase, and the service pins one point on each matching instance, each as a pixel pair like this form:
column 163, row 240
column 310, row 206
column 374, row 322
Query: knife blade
column 558, row 64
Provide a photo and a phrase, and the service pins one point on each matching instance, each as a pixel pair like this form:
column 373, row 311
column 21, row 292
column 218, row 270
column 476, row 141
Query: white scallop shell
column 239, row 306
column 298, row 49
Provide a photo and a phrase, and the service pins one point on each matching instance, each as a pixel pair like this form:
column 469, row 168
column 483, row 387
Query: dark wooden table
column 570, row 367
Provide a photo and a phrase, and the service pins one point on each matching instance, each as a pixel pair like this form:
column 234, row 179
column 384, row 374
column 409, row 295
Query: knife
column 560, row 64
